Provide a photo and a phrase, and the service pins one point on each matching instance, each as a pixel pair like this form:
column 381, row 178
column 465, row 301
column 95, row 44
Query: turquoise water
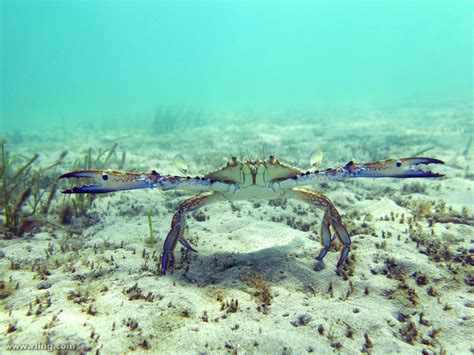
column 65, row 61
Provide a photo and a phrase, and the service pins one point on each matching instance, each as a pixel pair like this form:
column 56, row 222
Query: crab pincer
column 109, row 181
column 411, row 167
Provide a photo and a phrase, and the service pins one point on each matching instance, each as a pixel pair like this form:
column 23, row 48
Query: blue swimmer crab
column 253, row 179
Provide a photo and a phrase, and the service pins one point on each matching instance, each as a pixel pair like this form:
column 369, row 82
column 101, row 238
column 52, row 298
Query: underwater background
column 65, row 62
column 179, row 87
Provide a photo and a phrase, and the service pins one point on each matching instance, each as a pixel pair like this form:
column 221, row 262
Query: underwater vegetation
column 26, row 191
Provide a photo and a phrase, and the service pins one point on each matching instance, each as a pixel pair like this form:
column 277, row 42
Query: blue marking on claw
column 82, row 174
column 86, row 189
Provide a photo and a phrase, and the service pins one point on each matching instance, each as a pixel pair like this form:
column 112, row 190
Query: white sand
column 239, row 245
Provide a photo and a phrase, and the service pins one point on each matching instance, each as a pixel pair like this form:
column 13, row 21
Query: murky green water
column 65, row 62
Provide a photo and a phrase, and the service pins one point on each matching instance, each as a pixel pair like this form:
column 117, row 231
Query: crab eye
column 233, row 161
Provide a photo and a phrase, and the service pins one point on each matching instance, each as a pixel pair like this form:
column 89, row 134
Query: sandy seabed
column 90, row 281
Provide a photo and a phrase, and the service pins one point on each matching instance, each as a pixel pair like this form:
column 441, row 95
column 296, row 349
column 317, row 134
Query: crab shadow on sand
column 278, row 264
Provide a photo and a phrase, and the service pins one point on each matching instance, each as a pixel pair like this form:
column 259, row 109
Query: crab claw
column 411, row 167
column 110, row 181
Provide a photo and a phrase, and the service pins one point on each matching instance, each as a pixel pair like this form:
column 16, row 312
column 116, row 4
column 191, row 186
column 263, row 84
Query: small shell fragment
column 182, row 164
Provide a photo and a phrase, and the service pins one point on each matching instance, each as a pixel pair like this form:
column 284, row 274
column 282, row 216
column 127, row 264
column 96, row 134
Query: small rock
column 301, row 320
column 44, row 285
column 199, row 216
column 319, row 266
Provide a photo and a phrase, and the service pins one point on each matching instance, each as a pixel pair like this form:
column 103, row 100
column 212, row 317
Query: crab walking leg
column 178, row 225
column 326, row 240
column 331, row 217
